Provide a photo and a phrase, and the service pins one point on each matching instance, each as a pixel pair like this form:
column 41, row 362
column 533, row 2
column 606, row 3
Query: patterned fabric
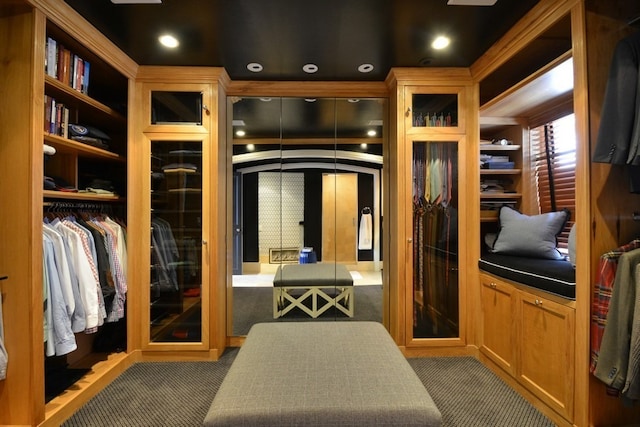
column 607, row 267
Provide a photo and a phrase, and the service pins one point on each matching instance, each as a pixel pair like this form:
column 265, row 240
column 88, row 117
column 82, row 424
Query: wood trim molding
column 79, row 28
column 534, row 23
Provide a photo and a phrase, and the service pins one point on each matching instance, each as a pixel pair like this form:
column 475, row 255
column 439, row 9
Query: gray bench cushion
column 321, row 374
column 312, row 275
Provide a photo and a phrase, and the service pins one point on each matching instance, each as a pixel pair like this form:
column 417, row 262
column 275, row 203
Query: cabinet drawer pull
column 493, row 285
column 538, row 302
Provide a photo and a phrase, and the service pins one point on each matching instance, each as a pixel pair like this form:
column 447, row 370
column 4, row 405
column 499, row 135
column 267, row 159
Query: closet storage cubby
column 95, row 154
column 500, row 168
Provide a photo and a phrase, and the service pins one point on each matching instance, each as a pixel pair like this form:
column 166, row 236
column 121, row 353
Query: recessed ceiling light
column 254, row 67
column 440, row 42
column 372, row 132
column 240, row 132
column 365, row 68
column 363, row 145
column 251, row 147
column 167, row 40
column 310, row 68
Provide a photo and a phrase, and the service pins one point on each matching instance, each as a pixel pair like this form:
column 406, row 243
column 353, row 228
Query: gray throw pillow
column 529, row 236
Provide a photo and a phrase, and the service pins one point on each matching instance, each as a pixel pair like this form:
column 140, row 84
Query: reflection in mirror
column 435, row 240
column 176, row 236
column 306, row 172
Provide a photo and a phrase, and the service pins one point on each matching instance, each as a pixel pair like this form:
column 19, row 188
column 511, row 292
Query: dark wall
column 250, row 218
column 313, row 211
column 365, row 200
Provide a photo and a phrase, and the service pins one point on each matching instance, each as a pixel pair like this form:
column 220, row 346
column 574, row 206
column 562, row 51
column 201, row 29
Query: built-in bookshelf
column 85, row 124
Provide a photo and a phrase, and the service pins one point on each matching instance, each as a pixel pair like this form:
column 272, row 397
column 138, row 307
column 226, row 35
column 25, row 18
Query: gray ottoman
column 321, row 374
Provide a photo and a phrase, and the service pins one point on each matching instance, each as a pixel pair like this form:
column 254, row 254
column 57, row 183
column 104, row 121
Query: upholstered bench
column 327, row 285
column 321, row 374
column 550, row 275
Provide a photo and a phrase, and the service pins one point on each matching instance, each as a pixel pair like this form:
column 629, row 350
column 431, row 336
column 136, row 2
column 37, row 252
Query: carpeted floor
column 180, row 393
column 255, row 305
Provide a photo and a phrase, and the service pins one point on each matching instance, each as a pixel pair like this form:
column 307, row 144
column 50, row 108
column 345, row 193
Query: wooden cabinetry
column 178, row 134
column 531, row 336
column 546, row 350
column 498, row 329
column 25, row 25
column 428, row 163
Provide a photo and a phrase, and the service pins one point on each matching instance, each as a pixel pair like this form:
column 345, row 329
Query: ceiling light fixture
column 363, row 145
column 265, row 99
column 372, row 132
column 254, row 67
column 310, row 68
column 440, row 42
column 240, row 132
column 167, row 40
column 353, row 100
column 310, row 99
column 251, row 147
column 365, row 68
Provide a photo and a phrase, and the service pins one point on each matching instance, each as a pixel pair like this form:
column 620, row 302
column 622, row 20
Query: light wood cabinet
column 177, row 132
column 531, row 336
column 546, row 350
column 498, row 331
column 428, row 210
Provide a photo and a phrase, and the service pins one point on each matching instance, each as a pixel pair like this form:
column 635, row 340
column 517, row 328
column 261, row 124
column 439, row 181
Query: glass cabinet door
column 176, row 241
column 176, row 108
column 435, row 239
column 440, row 110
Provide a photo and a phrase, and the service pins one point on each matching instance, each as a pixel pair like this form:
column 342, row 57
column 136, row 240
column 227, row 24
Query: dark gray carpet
column 253, row 305
column 180, row 393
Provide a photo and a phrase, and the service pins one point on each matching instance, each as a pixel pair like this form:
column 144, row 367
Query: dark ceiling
column 283, row 35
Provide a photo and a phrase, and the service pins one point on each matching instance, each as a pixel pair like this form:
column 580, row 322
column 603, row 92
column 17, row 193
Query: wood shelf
column 500, row 195
column 64, row 145
column 57, row 88
column 500, row 171
column 496, row 147
column 51, row 194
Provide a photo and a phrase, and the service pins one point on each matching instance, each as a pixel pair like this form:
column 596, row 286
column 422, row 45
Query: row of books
column 66, row 66
column 56, row 117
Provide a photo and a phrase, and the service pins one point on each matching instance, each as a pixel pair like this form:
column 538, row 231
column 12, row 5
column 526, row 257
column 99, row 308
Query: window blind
column 553, row 150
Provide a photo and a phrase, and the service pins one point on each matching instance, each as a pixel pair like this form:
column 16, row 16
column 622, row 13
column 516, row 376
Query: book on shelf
column 56, row 117
column 66, row 66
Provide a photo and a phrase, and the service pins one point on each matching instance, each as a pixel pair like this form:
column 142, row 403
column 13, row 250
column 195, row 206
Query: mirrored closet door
column 306, row 173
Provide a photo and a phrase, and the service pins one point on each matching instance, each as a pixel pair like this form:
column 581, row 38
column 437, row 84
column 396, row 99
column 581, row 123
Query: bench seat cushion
column 312, row 275
column 321, row 374
column 554, row 276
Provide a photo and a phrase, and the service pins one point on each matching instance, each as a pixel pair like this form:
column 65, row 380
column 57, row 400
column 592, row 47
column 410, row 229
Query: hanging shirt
column 366, row 229
column 61, row 338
